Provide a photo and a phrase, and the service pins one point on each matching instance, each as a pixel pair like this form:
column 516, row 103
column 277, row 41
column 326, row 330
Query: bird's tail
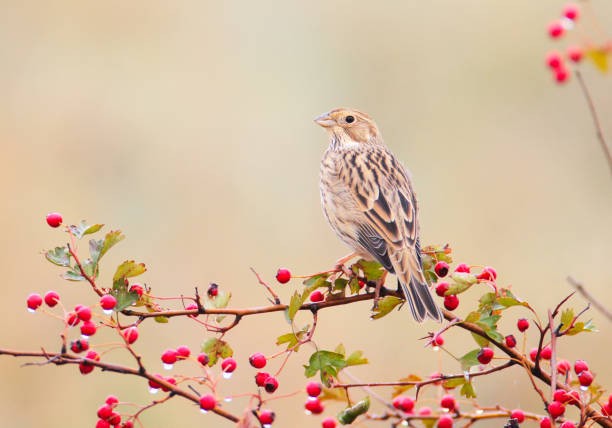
column 412, row 281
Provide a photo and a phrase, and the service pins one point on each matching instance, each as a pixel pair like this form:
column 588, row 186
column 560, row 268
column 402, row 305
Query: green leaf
column 59, row 256
column 84, row 229
column 453, row 383
column 480, row 341
column 333, row 394
column 215, row 349
column 73, row 275
column 356, row 358
column 371, row 269
column 113, row 237
column 161, row 319
column 317, row 280
column 461, row 281
column 385, row 306
column 467, row 390
column 470, row 359
column 400, row 389
column 354, row 285
column 340, row 284
column 128, row 269
column 340, row 349
column 489, row 325
column 294, row 305
column 327, row 363
column 124, row 298
column 292, row 339
column 348, row 415
column 508, row 302
column 580, row 327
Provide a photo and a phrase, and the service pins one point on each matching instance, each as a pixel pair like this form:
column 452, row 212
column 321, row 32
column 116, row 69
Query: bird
column 368, row 200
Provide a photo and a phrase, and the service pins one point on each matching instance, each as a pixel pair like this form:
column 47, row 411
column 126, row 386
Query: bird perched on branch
column 368, row 200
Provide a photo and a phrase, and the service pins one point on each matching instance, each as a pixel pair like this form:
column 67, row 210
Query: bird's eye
column 349, row 119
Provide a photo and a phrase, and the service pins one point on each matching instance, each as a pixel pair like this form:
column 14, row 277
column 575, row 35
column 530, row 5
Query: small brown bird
column 368, row 200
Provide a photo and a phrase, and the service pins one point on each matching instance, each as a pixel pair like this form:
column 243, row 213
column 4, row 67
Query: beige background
column 188, row 125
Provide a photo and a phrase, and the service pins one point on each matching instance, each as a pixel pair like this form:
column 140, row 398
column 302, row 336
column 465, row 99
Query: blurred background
column 188, row 125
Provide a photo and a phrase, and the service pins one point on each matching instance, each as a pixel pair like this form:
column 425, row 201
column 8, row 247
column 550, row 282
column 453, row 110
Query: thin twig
column 598, row 130
column 596, row 303
column 262, row 282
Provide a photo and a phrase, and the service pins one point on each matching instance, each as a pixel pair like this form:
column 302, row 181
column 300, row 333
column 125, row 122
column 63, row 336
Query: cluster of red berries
column 108, row 417
column 263, row 379
column 314, row 406
column 556, row 29
column 451, row 301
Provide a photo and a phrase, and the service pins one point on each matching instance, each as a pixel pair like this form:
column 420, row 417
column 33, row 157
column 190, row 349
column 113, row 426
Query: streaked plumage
column 368, row 200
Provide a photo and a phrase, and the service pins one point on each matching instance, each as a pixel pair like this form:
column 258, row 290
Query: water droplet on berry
column 479, row 411
column 31, row 310
column 168, row 366
column 203, row 411
column 153, row 390
column 227, row 375
column 228, row 399
column 107, row 311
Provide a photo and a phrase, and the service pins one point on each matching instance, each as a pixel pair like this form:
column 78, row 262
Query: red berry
column 533, row 354
column 546, row 353
column 518, row 414
column 114, row 419
column 51, row 298
column 571, row 11
column 137, row 288
column 83, row 312
column 169, row 357
column 561, row 75
column 102, row 424
column 213, row 290
column 545, row 423
column 448, row 402
column 555, row 29
column 441, row 269
column 266, row 417
column 554, row 60
column 34, row 301
column 108, row 302
column 556, row 409
column 153, row 384
column 561, row 396
column 574, row 53
column 130, row 334
column 104, row 411
column 79, row 345
column 228, row 365
column 580, row 366
column 183, row 352
column 451, row 302
column 128, row 424
column 361, row 285
column 445, row 422
column 438, row 340
column 441, row 288
column 567, row 424
column 207, row 402
column 424, row 411
column 574, row 397
column 563, row 366
column 488, row 274
column 485, row 355
column 192, row 307
column 314, row 406
column 203, row 359
column 72, row 319
column 317, row 296
column 271, row 384
column 258, row 360
column 328, row 423
column 510, row 341
column 86, row 367
column 406, row 404
column 522, row 324
column 283, row 275
column 88, row 328
column 111, row 400
column 585, row 378
column 606, row 409
column 462, row 267
column 314, row 389
column 54, row 219
column 170, row 380
column 260, row 378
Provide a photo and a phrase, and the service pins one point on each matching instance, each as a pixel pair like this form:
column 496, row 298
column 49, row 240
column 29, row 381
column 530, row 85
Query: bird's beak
column 325, row 120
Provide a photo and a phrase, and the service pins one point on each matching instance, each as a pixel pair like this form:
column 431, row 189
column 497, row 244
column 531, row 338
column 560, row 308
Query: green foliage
column 469, row 360
column 348, row 415
column 329, row 363
column 83, row 229
column 571, row 326
column 125, row 270
column 298, row 299
column 215, row 349
column 460, row 282
column 372, row 270
column 293, row 338
column 400, row 389
column 385, row 306
column 59, row 256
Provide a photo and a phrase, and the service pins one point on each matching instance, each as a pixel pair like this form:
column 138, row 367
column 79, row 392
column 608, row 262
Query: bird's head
column 347, row 127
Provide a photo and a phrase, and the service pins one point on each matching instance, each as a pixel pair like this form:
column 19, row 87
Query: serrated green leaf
column 354, row 285
column 467, row 390
column 83, row 229
column 371, row 269
column 327, row 363
column 460, row 282
column 128, row 269
column 124, row 298
column 567, row 316
column 508, row 302
column 317, row 280
column 73, row 275
column 480, row 341
column 215, row 349
column 385, row 306
column 356, row 358
column 469, row 360
column 113, row 237
column 340, row 284
column 473, row 316
column 59, row 256
column 292, row 339
column 348, row 415
column 294, row 306
column 454, row 383
column 489, row 325
column 400, row 389
column 580, row 327
column 162, row 319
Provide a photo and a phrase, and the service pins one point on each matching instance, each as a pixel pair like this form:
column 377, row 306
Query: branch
column 596, row 303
